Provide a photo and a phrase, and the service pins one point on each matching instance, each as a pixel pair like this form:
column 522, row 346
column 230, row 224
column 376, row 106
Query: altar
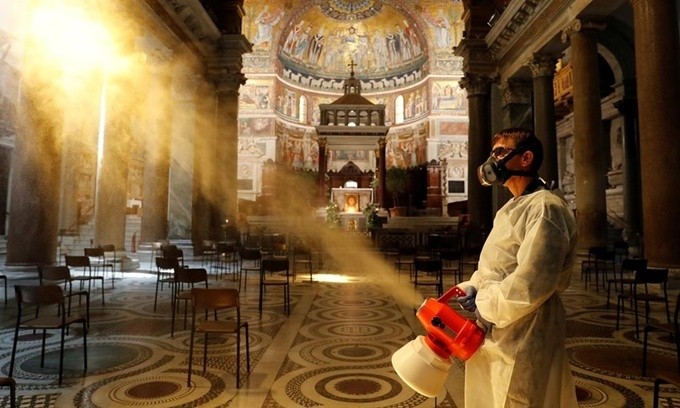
column 352, row 201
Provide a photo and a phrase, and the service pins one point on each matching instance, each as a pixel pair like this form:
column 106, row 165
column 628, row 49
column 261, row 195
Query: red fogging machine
column 423, row 364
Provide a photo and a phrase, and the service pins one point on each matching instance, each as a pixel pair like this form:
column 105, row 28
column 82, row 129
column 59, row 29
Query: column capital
column 323, row 142
column 580, row 25
column 542, row 65
column 382, row 142
column 224, row 69
column 517, row 91
column 476, row 85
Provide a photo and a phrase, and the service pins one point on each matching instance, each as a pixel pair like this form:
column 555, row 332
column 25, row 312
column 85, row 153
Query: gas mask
column 493, row 170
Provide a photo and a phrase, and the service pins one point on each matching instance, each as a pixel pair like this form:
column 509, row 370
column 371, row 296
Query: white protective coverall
column 525, row 262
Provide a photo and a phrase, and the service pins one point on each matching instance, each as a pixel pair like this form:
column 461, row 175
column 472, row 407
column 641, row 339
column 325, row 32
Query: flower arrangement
column 371, row 213
column 332, row 214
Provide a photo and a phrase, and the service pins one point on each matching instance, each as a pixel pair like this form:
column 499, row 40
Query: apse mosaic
column 302, row 51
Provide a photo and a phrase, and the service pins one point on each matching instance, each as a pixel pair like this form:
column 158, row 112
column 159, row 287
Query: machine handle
column 454, row 291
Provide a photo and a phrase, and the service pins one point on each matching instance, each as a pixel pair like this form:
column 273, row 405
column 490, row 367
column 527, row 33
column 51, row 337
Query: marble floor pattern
column 333, row 350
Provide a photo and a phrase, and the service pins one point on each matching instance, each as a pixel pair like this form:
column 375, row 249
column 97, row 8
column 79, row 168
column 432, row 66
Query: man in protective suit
column 525, row 263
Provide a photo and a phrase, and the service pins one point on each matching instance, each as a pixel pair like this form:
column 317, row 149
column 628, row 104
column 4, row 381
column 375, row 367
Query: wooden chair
column 4, row 279
column 249, row 260
column 641, row 293
column 428, row 272
column 672, row 329
column 600, row 260
column 83, row 263
column 165, row 273
column 627, row 271
column 189, row 277
column 172, row 251
column 451, row 263
column 44, row 297
column 227, row 260
column 404, row 261
column 98, row 261
column 61, row 275
column 9, row 382
column 275, row 272
column 302, row 258
column 666, row 378
column 214, row 300
column 112, row 256
column 208, row 253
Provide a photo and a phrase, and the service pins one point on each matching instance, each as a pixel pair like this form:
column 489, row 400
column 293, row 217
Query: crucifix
column 351, row 66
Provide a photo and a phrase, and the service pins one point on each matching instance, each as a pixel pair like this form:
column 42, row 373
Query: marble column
column 658, row 90
column 5, row 166
column 543, row 71
column 382, row 171
column 112, row 176
column 590, row 168
column 225, row 71
column 204, row 142
column 479, row 145
column 516, row 96
column 516, row 103
column 36, row 175
column 632, row 199
column 323, row 164
column 154, row 225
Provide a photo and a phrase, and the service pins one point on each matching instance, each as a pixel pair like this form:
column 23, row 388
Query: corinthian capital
column 580, row 25
column 476, row 85
column 542, row 65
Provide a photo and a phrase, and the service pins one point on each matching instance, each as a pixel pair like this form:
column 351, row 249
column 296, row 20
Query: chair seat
column 50, row 322
column 212, row 326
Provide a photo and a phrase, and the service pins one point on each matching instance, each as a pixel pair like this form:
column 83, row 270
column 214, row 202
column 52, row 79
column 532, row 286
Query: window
column 399, row 110
column 302, row 111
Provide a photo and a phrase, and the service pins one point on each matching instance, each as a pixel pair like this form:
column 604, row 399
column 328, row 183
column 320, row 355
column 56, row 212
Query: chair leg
column 247, row 347
column 205, row 352
column 238, row 358
column 645, row 336
column 619, row 305
column 61, row 354
column 191, row 353
column 657, row 384
column 155, row 298
column 14, row 351
column 85, row 347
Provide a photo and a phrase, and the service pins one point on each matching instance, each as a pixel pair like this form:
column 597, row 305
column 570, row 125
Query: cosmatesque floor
column 333, row 350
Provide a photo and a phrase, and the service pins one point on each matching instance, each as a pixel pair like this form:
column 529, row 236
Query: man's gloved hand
column 467, row 302
column 485, row 325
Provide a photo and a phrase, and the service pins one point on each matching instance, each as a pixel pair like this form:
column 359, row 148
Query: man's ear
column 527, row 158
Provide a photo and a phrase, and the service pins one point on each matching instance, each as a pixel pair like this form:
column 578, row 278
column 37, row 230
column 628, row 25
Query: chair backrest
column 214, row 298
column 250, row 254
column 109, row 249
column 191, row 275
column 428, row 265
column 633, row 265
column 653, row 276
column 94, row 252
column 44, row 295
column 77, row 261
column 407, row 251
column 208, row 245
column 54, row 274
column 449, row 254
column 171, row 251
column 275, row 265
column 167, row 263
